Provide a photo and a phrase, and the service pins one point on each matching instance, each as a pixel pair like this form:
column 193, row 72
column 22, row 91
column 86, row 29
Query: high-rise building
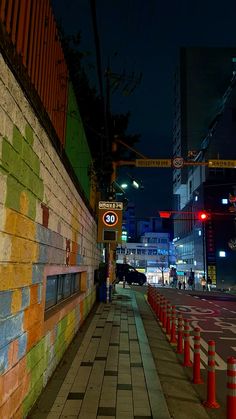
column 205, row 129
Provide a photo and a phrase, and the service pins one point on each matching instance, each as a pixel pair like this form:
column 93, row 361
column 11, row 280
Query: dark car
column 132, row 276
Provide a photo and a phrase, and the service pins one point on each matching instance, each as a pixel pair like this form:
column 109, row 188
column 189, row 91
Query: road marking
column 220, row 364
column 225, row 338
column 195, row 323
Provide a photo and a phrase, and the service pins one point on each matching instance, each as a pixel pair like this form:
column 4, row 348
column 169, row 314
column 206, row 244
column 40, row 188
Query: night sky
column 145, row 36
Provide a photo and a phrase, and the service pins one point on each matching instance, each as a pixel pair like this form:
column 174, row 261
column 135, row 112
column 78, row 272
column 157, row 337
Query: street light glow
column 135, row 184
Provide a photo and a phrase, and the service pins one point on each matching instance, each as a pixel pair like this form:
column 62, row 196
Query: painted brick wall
column 76, row 145
column 33, row 182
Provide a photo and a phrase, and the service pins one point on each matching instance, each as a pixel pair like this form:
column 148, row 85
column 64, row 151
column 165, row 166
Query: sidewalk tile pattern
column 113, row 373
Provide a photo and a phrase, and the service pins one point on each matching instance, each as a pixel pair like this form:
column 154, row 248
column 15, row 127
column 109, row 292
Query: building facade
column 153, row 255
column 205, row 129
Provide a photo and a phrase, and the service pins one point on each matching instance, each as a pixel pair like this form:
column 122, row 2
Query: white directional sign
column 222, row 164
column 153, row 163
column 110, row 205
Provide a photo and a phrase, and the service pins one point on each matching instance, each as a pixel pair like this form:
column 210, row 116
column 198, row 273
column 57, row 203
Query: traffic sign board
column 178, row 162
column 110, row 205
column 222, row 164
column 110, row 218
column 153, row 162
column 109, row 223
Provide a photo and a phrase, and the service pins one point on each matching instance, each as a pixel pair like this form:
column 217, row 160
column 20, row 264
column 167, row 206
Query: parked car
column 132, row 276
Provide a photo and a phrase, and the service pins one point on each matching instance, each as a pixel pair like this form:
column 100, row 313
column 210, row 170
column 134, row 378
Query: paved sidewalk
column 113, row 372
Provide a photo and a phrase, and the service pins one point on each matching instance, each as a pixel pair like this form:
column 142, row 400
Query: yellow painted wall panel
column 16, row 301
column 15, row 276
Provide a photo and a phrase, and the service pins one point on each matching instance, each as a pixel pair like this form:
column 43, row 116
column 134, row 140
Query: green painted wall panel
column 76, row 145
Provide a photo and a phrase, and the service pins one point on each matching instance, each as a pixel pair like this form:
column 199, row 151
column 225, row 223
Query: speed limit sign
column 178, row 162
column 110, row 222
column 110, row 218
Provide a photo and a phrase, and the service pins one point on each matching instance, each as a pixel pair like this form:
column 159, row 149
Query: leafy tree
column 101, row 126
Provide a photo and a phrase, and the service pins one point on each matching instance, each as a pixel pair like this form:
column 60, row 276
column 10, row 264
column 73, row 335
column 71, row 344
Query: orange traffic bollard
column 196, row 357
column 211, row 378
column 168, row 317
column 231, row 388
column 187, row 361
column 161, row 309
column 164, row 315
column 180, row 335
column 173, row 339
column 157, row 302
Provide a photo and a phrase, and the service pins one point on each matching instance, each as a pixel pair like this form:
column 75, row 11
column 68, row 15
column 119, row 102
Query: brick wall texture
column 32, row 179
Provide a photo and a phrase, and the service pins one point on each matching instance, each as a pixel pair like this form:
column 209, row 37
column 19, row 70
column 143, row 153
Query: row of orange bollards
column 166, row 314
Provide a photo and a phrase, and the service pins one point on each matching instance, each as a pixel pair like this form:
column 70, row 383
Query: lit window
column 224, row 201
column 222, row 254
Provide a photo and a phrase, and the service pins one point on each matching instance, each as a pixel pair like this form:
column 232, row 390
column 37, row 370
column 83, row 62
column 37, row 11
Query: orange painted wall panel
column 32, row 28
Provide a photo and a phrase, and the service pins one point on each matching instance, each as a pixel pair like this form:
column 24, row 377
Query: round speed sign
column 178, row 162
column 110, row 218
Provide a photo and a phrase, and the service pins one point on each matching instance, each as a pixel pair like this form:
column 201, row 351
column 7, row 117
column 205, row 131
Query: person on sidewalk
column 203, row 283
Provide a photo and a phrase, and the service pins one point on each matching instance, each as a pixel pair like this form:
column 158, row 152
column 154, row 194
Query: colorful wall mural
column 76, row 145
column 44, row 227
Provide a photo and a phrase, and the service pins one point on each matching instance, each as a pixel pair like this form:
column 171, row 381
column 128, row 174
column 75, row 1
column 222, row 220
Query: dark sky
column 145, row 36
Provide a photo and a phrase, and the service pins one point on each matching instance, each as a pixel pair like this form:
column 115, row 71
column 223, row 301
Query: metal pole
column 204, row 248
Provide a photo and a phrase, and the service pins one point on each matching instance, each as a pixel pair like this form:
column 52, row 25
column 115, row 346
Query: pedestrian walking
column 179, row 285
column 203, row 283
column 209, row 283
column 191, row 284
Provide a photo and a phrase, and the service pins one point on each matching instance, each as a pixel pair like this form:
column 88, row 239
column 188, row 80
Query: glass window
column 60, row 287
column 51, row 291
column 66, row 286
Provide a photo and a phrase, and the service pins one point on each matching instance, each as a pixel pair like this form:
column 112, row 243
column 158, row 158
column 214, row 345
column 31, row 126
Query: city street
column 215, row 314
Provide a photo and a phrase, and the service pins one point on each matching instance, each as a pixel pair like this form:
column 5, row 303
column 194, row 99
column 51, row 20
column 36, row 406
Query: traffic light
column 203, row 216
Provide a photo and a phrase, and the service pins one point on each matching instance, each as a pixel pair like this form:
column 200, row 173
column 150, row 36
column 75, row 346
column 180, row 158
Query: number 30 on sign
column 110, row 218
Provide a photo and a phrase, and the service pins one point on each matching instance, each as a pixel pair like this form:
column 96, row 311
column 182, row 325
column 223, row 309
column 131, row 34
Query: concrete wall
column 45, row 228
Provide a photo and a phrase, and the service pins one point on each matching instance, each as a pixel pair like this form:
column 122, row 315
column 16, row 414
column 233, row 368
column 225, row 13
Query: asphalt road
column 215, row 314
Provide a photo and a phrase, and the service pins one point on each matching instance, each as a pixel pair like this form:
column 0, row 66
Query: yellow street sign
column 109, row 224
column 222, row 164
column 153, row 162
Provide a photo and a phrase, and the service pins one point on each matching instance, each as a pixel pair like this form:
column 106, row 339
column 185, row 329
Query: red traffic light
column 203, row 216
column 165, row 214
